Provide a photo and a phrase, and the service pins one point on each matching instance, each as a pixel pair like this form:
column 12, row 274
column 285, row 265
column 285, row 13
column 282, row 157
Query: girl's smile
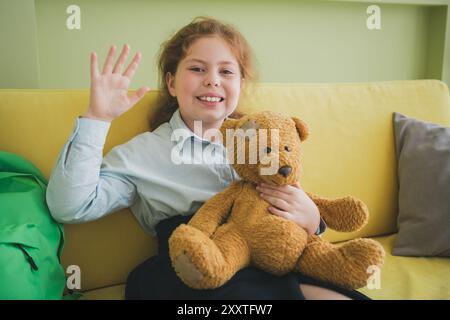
column 210, row 99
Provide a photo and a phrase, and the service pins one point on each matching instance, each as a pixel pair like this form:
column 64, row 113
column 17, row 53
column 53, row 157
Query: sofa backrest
column 350, row 151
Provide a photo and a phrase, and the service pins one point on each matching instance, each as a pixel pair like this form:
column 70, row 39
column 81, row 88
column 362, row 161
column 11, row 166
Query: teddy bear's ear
column 302, row 128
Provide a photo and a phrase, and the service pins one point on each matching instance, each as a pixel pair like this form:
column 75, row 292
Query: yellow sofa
column 350, row 151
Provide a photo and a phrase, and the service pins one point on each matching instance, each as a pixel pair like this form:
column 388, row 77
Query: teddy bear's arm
column 344, row 214
column 214, row 211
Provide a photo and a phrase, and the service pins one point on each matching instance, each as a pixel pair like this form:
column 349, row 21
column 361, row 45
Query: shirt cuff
column 322, row 227
column 91, row 131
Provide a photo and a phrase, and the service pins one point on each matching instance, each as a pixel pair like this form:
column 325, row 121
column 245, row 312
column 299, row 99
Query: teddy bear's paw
column 349, row 265
column 187, row 271
column 195, row 257
column 359, row 258
column 364, row 252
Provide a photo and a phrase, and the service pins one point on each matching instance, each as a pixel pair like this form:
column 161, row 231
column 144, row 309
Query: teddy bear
column 235, row 229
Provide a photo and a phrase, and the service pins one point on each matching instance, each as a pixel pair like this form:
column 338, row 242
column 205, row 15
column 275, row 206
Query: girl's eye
column 268, row 150
column 198, row 69
column 287, row 148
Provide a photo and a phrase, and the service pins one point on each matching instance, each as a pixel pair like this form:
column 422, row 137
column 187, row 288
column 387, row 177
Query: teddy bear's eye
column 268, row 150
column 287, row 148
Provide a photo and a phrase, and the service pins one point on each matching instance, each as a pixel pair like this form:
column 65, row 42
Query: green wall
column 294, row 41
column 19, row 58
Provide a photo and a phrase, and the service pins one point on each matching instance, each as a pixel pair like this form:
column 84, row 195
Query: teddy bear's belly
column 275, row 243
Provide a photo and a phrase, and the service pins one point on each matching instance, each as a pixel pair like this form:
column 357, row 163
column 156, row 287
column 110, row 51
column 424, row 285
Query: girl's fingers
column 123, row 56
column 138, row 95
column 132, row 67
column 109, row 60
column 94, row 65
column 280, row 213
column 285, row 188
column 274, row 192
column 279, row 203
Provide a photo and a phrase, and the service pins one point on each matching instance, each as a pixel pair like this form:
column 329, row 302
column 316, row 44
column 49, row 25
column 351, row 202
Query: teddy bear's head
column 265, row 146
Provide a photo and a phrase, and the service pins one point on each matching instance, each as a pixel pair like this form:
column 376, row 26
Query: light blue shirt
column 139, row 174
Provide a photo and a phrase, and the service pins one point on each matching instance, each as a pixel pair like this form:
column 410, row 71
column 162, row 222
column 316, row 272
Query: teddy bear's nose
column 285, row 171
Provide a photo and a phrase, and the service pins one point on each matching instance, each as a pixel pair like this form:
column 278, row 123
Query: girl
column 206, row 58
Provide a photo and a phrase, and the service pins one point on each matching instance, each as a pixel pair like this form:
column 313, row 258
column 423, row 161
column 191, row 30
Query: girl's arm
column 79, row 189
column 83, row 186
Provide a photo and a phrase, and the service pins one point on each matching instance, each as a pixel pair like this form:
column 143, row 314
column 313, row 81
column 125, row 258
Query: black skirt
column 155, row 279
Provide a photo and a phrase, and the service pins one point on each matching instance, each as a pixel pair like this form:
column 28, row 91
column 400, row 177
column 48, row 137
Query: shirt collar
column 176, row 122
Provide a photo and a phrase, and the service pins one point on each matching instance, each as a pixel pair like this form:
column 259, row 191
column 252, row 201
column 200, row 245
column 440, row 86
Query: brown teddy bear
column 234, row 228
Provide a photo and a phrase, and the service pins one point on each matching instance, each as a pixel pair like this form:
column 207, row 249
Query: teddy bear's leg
column 207, row 263
column 349, row 265
column 276, row 243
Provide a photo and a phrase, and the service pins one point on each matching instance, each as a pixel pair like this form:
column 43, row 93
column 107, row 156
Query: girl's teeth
column 210, row 99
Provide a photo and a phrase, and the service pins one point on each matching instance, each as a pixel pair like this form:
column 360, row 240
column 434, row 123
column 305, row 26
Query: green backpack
column 31, row 242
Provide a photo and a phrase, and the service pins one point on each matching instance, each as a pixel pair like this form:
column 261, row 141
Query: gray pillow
column 423, row 155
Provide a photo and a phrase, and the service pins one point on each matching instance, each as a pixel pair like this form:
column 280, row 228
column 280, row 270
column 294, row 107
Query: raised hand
column 109, row 89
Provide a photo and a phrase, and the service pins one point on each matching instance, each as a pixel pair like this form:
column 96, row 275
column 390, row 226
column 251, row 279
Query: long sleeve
column 322, row 227
column 82, row 186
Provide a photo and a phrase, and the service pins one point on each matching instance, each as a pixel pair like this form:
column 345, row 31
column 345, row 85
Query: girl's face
column 211, row 70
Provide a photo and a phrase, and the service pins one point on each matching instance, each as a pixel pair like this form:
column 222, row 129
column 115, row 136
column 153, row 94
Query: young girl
column 204, row 59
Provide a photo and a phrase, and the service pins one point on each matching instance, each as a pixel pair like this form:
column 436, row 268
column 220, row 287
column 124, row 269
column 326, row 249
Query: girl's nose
column 211, row 81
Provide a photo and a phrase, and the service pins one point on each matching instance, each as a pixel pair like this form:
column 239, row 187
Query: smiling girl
column 203, row 69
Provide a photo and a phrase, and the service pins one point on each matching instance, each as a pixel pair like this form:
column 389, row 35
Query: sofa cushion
column 410, row 278
column 116, row 292
column 423, row 153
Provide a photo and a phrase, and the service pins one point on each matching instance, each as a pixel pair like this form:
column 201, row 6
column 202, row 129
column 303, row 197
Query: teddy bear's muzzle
column 285, row 171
